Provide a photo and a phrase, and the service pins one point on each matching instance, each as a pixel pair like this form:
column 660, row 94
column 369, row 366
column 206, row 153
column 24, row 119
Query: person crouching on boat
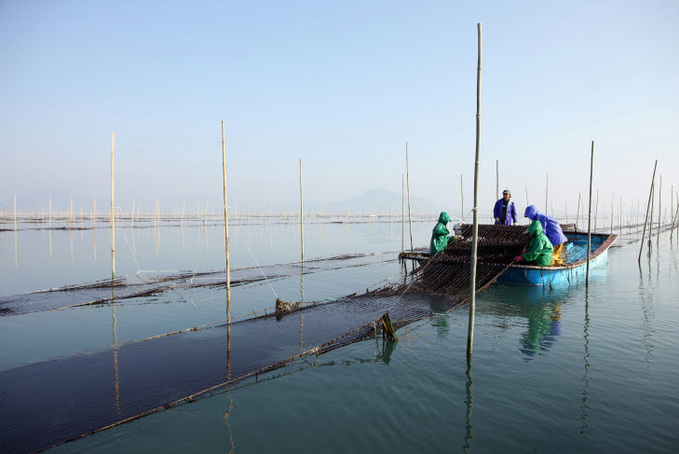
column 439, row 236
column 540, row 250
column 552, row 229
column 504, row 211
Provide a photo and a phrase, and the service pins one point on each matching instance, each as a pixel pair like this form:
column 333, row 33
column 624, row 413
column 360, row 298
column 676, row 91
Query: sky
column 342, row 86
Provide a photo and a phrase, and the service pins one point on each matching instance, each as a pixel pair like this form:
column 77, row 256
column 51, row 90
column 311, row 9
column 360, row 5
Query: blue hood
column 531, row 212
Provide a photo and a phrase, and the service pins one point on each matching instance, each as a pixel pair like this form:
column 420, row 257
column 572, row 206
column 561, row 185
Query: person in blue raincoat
column 552, row 229
column 439, row 236
column 504, row 211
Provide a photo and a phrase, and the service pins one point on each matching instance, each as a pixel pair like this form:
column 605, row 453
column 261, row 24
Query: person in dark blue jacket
column 552, row 230
column 504, row 211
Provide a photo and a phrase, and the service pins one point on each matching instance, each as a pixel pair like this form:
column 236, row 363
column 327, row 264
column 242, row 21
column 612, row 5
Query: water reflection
column 386, row 350
column 442, row 326
column 544, row 326
column 469, row 401
column 584, row 407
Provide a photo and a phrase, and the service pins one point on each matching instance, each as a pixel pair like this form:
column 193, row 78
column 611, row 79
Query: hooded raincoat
column 540, row 249
column 439, row 236
column 549, row 225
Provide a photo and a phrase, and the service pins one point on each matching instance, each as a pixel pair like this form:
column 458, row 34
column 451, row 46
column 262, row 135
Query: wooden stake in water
column 497, row 179
column 547, row 195
column 462, row 197
column 589, row 215
column 16, row 241
column 301, row 208
column 226, row 229
column 410, row 212
column 403, row 216
column 612, row 201
column 49, row 225
column 113, row 228
column 657, row 236
column 472, row 283
column 650, row 196
column 674, row 221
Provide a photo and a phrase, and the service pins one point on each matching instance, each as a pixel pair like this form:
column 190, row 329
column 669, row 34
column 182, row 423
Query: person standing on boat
column 439, row 236
column 552, row 230
column 540, row 250
column 504, row 211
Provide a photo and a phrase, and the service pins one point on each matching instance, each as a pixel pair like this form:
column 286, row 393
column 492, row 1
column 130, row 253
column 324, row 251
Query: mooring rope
column 128, row 243
column 257, row 263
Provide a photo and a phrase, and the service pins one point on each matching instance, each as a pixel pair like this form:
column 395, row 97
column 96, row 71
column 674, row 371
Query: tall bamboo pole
column 49, row 225
column 612, row 201
column 462, row 196
column 497, row 179
column 674, row 221
column 650, row 195
column 589, row 215
column 650, row 218
column 226, row 228
column 403, row 216
column 659, row 209
column 472, row 299
column 113, row 228
column 16, row 240
column 410, row 212
column 301, row 212
column 547, row 195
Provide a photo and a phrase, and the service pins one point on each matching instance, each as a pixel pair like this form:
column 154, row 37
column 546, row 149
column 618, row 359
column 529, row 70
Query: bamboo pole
column 226, row 229
column 16, row 240
column 49, row 225
column 525, row 187
column 472, row 299
column 497, row 179
column 547, row 195
column 301, row 211
column 612, row 201
column 674, row 221
column 650, row 218
column 403, row 215
column 589, row 215
column 657, row 236
column 410, row 212
column 113, row 228
column 650, row 195
column 620, row 217
column 462, row 196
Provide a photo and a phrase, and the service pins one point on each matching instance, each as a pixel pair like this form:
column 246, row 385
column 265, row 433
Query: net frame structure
column 173, row 370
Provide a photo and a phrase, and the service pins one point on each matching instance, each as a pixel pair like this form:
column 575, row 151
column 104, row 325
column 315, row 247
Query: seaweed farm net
column 51, row 402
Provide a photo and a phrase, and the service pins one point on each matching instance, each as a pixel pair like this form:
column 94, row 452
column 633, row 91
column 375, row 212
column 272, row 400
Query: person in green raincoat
column 540, row 250
column 439, row 236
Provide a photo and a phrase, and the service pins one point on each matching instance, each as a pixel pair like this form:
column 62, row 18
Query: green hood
column 444, row 218
column 535, row 229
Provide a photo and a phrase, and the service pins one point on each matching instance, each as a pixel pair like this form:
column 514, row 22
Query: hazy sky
column 342, row 85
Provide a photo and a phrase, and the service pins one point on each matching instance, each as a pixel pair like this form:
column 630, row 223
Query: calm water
column 566, row 370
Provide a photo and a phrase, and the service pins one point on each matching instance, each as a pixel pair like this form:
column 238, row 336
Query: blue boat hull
column 569, row 273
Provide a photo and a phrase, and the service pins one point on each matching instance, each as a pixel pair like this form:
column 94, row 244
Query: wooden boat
column 573, row 269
